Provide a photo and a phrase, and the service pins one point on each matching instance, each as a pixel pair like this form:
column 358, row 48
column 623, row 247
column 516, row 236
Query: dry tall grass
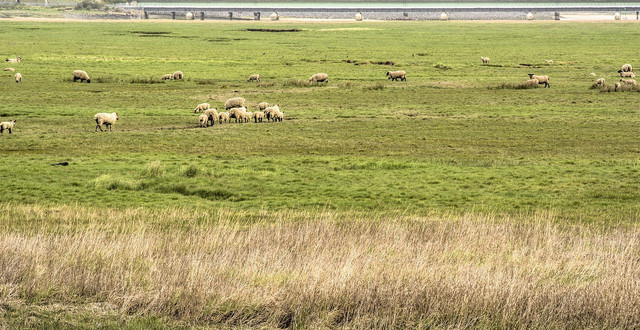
column 323, row 269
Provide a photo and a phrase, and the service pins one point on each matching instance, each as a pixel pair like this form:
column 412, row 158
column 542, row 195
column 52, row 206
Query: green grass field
column 447, row 143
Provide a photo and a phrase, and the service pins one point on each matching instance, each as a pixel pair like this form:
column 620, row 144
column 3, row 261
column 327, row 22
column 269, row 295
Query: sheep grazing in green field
column 18, row 77
column 234, row 102
column 178, row 75
column 9, row 69
column 626, row 68
column 254, row 77
column 258, row 116
column 106, row 119
column 81, row 75
column 485, row 60
column 600, row 81
column 263, row 105
column 202, row 107
column 14, row 60
column 167, row 76
column 203, row 120
column 541, row 79
column 271, row 112
column 212, row 116
column 237, row 113
column 8, row 125
column 395, row 75
column 224, row 117
column 628, row 82
column 319, row 77
column 627, row 74
column 532, row 83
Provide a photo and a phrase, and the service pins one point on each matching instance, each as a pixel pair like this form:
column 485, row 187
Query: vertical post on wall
column 230, row 15
column 557, row 16
column 146, row 15
column 173, row 15
column 637, row 15
column 202, row 16
column 256, row 16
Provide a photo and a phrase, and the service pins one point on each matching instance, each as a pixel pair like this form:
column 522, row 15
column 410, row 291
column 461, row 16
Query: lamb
column 237, row 113
column 202, row 107
column 271, row 112
column 234, row 102
column 600, row 81
column 395, row 75
column 106, row 119
column 532, row 82
column 18, row 77
column 7, row 125
column 204, row 120
column 9, row 69
column 81, row 75
column 247, row 116
column 14, row 60
column 178, row 75
column 628, row 82
column 258, row 116
column 224, row 117
column 319, row 77
column 541, row 79
column 167, row 76
column 616, row 86
column 627, row 68
column 254, row 77
column 548, row 61
column 263, row 105
column 627, row 74
column 279, row 115
column 485, row 60
column 212, row 115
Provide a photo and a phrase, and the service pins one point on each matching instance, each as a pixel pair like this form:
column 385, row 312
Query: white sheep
column 8, row 125
column 224, row 117
column 167, row 76
column 212, row 115
column 485, row 60
column 81, row 75
column 14, row 60
column 258, row 116
column 279, row 115
column 271, row 112
column 541, row 79
column 548, row 61
column 616, row 86
column 202, row 107
column 237, row 113
column 234, row 102
column 395, row 75
column 18, row 77
column 263, row 105
column 178, row 75
column 203, row 120
column 9, row 69
column 592, row 74
column 600, row 81
column 106, row 119
column 627, row 74
column 627, row 68
column 319, row 77
column 532, row 82
column 254, row 77
column 248, row 116
column 628, row 82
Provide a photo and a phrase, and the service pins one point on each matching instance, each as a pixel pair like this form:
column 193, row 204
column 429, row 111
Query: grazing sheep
column 106, row 119
column 224, row 117
column 548, row 61
column 14, row 60
column 202, row 107
column 600, row 81
column 263, row 105
column 258, row 116
column 319, row 77
column 616, row 86
column 18, row 77
column 212, row 115
column 279, row 115
column 628, row 82
column 625, row 74
column 178, row 75
column 532, row 83
column 81, row 75
column 395, row 75
column 254, row 77
column 167, row 76
column 9, row 69
column 7, row 125
column 247, row 116
column 237, row 113
column 485, row 60
column 271, row 112
column 204, row 120
column 592, row 74
column 234, row 102
column 541, row 79
column 627, row 68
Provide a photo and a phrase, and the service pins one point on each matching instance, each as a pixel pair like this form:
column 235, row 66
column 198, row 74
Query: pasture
column 388, row 168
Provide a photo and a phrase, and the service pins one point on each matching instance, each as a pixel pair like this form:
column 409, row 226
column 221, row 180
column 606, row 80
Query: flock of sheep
column 624, row 72
column 238, row 111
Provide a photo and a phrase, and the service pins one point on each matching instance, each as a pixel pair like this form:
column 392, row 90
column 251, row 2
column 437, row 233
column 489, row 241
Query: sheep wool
column 628, row 82
column 203, row 120
column 627, row 74
column 279, row 115
column 106, row 119
column 8, row 125
column 254, row 77
column 224, row 117
column 212, row 115
column 167, row 76
column 18, row 77
column 319, row 77
column 81, row 75
column 237, row 113
column 9, row 69
column 247, row 116
column 234, row 102
column 532, row 82
column 14, row 60
column 600, row 81
column 627, row 68
column 258, row 116
column 202, row 107
column 178, row 75
column 271, row 112
column 485, row 60
column 541, row 79
column 263, row 105
column 395, row 75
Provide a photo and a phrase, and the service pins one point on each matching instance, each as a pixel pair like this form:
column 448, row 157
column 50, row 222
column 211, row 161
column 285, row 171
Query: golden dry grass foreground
column 312, row 269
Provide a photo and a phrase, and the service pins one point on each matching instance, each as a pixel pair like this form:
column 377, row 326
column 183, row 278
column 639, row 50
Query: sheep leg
column 9, row 130
column 1, row 130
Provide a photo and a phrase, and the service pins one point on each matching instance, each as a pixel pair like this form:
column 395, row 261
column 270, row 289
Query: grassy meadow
column 445, row 200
